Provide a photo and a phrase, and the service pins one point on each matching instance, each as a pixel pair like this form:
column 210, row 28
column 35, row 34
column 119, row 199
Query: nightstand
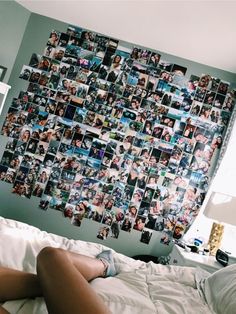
column 180, row 257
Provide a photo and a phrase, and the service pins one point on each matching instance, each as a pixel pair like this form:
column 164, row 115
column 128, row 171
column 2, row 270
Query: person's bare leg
column 17, row 284
column 64, row 280
column 3, row 311
column 89, row 267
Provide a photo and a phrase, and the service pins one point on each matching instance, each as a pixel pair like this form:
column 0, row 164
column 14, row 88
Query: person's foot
column 107, row 259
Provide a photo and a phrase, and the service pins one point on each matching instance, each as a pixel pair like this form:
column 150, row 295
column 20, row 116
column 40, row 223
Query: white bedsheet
column 138, row 288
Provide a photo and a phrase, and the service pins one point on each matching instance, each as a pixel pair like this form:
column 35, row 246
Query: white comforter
column 138, row 288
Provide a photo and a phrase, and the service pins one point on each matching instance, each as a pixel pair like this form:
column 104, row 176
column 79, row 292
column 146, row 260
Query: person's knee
column 46, row 256
column 46, row 252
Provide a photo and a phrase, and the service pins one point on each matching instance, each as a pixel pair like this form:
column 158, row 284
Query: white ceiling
column 198, row 30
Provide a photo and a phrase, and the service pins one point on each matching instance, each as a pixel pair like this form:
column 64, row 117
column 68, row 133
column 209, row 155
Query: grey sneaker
column 107, row 258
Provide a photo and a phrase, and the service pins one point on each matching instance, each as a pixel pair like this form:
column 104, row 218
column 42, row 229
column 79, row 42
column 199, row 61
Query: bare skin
column 62, row 279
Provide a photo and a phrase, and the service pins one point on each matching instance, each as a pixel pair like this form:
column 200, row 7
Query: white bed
column 138, row 288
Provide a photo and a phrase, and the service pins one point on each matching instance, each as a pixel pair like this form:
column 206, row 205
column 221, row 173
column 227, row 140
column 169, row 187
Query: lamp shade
column 221, row 207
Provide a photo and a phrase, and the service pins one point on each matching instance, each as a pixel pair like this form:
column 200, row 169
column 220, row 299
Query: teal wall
column 13, row 22
column 12, row 206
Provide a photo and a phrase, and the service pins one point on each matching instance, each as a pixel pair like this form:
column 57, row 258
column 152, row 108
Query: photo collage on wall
column 114, row 134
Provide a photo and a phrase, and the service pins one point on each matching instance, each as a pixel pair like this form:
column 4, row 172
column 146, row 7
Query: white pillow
column 220, row 290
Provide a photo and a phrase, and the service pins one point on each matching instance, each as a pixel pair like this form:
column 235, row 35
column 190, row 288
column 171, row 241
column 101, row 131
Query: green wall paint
column 13, row 22
column 11, row 206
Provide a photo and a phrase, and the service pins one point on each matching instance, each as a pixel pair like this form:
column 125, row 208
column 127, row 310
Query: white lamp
column 222, row 208
column 4, row 88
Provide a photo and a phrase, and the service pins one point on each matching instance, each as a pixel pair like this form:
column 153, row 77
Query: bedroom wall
column 13, row 22
column 12, row 206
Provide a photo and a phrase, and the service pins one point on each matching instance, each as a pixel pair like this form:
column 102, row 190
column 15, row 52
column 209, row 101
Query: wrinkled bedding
column 139, row 287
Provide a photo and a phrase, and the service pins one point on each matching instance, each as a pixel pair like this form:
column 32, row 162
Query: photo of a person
column 53, row 39
column 127, row 224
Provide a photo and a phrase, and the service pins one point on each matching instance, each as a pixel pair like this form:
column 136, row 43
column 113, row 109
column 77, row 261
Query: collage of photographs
column 114, row 134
